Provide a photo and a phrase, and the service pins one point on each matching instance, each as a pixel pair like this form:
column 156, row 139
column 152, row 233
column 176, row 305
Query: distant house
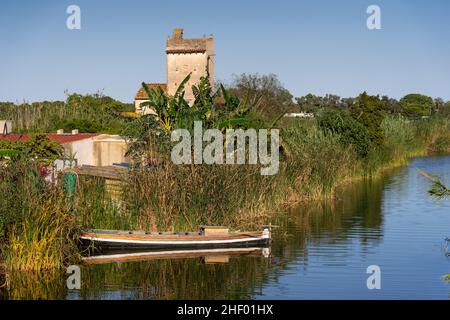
column 184, row 56
column 141, row 96
column 83, row 148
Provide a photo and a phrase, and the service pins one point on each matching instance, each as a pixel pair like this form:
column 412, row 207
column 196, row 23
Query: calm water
column 320, row 251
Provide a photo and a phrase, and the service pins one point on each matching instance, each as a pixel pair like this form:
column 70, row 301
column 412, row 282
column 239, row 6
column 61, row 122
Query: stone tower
column 186, row 56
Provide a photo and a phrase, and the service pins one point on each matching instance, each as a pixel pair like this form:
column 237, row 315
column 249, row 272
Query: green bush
column 39, row 147
column 369, row 111
column 351, row 132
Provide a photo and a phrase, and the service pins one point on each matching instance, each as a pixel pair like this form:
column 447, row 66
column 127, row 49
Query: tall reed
column 37, row 226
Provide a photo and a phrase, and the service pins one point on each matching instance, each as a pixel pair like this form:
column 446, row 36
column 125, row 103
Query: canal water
column 320, row 251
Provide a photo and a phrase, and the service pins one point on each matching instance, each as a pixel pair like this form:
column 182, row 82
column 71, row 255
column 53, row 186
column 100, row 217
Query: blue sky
column 313, row 46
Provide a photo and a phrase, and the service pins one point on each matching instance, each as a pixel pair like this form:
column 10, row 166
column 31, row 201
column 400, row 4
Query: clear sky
column 314, row 46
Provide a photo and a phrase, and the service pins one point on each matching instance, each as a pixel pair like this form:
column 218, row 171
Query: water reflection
column 320, row 250
column 355, row 213
column 238, row 276
column 33, row 286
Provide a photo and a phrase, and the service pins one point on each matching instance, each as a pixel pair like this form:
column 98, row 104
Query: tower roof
column 178, row 44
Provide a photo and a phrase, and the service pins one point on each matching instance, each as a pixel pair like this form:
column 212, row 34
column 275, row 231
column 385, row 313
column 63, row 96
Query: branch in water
column 438, row 189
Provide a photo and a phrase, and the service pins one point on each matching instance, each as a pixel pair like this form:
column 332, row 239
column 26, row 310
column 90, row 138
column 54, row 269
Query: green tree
column 370, row 112
column 416, row 105
column 42, row 148
column 265, row 92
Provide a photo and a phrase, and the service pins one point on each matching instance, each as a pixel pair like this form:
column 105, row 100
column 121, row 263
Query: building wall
column 179, row 65
column 81, row 150
column 109, row 149
column 102, row 150
column 142, row 110
column 5, row 126
column 212, row 59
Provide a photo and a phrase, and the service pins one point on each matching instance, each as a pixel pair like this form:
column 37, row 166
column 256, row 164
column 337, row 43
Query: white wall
column 5, row 126
column 101, row 150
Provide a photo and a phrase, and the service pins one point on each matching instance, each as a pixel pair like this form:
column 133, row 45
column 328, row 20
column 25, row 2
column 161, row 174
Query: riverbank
column 321, row 249
column 313, row 164
column 40, row 222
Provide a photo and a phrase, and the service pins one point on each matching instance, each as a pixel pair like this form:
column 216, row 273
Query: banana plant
column 169, row 110
column 173, row 112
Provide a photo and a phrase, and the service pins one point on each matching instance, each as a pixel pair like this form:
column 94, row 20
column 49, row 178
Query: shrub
column 351, row 132
column 369, row 111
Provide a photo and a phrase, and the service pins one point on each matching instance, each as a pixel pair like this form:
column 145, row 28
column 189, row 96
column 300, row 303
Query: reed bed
column 313, row 165
column 37, row 226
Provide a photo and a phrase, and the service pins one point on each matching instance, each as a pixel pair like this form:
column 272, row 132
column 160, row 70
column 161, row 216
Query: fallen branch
column 438, row 189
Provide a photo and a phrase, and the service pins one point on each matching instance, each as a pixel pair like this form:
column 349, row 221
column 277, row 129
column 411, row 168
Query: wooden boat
column 208, row 237
column 208, row 255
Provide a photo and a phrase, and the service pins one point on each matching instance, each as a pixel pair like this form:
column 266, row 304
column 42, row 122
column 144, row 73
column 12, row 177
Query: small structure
column 5, row 127
column 299, row 115
column 141, row 96
column 112, row 175
column 83, row 148
column 184, row 56
column 106, row 172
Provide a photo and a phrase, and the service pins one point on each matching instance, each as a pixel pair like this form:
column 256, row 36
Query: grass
column 37, row 226
column 39, row 242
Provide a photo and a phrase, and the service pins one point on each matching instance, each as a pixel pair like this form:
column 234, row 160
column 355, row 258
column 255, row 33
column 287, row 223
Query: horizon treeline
column 99, row 113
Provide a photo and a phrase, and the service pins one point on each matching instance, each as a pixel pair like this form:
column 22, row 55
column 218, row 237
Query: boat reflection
column 221, row 255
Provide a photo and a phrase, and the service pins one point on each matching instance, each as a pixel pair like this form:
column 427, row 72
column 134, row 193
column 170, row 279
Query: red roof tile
column 142, row 95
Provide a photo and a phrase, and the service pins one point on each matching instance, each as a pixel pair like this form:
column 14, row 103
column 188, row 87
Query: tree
column 313, row 104
column 370, row 112
column 392, row 106
column 39, row 148
column 416, row 105
column 310, row 103
column 42, row 148
column 265, row 92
